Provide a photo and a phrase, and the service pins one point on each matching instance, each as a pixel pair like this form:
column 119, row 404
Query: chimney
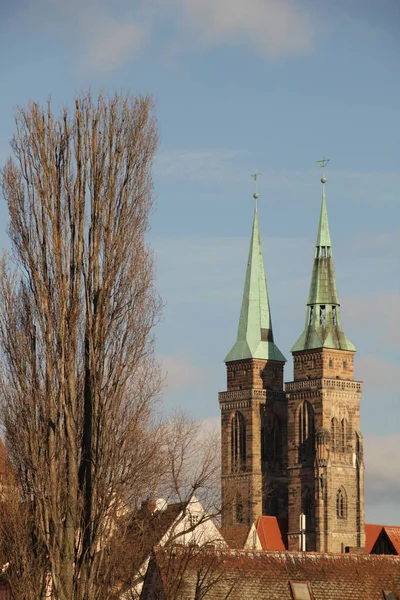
column 148, row 506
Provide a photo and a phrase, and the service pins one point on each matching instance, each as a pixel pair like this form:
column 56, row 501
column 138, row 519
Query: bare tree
column 194, row 573
column 77, row 313
column 188, row 503
column 192, row 464
column 20, row 546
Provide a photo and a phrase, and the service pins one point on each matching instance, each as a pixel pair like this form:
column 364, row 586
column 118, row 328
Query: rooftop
column 252, row 575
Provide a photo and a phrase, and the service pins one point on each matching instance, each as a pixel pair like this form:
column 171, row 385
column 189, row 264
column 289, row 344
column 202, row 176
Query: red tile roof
column 371, row 535
column 372, row 532
column 251, row 575
column 272, row 533
column 393, row 534
column 236, row 536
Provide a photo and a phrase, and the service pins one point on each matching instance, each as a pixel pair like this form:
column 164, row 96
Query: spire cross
column 322, row 163
column 256, row 195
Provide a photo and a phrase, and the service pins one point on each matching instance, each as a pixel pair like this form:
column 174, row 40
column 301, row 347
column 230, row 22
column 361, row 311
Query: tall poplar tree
column 78, row 307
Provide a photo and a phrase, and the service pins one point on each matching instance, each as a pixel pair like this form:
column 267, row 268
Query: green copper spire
column 323, row 327
column 323, row 237
column 255, row 338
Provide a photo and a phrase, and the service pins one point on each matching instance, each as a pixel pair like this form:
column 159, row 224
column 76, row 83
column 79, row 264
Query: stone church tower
column 253, row 409
column 325, row 448
column 284, row 454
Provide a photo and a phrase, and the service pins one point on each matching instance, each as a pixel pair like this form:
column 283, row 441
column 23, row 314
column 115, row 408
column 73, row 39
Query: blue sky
column 243, row 86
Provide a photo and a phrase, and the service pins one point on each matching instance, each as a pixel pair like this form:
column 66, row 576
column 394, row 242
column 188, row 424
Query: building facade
column 294, row 449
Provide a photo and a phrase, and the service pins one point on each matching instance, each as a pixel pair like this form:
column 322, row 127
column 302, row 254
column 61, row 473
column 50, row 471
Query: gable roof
column 236, row 536
column 251, row 575
column 272, row 533
column 373, row 532
column 143, row 531
column 393, row 534
column 371, row 535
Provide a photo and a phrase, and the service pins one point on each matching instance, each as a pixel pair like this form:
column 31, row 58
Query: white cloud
column 273, row 27
column 110, row 49
column 102, row 36
column 382, row 469
column 378, row 313
column 377, row 374
column 196, row 165
column 105, row 34
column 181, row 373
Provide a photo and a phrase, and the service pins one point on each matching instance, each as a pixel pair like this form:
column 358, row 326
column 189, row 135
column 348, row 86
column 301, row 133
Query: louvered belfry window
column 306, row 431
column 238, row 442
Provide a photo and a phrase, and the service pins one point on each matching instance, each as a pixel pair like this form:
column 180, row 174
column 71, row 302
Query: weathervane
column 256, row 195
column 322, row 163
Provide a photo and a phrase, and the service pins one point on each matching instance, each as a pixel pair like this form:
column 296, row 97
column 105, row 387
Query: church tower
column 253, row 409
column 325, row 447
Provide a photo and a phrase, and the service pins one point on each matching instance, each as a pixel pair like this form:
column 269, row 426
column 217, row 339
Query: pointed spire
column 255, row 337
column 323, row 237
column 323, row 327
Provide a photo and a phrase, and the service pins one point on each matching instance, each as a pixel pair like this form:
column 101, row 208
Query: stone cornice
column 248, row 396
column 318, row 384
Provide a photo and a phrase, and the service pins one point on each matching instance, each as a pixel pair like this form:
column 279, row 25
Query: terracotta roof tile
column 371, row 535
column 393, row 534
column 236, row 536
column 272, row 533
column 251, row 575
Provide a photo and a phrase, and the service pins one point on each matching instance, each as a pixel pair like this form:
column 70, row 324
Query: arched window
column 239, row 509
column 334, row 433
column 271, row 439
column 306, row 431
column 238, row 442
column 341, row 503
column 343, row 435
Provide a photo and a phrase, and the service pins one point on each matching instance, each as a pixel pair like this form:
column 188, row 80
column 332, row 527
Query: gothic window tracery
column 239, row 509
column 238, row 442
column 306, row 431
column 334, row 433
column 343, row 434
column 271, row 439
column 341, row 503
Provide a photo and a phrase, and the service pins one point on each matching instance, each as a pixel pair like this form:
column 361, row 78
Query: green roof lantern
column 323, row 328
column 255, row 338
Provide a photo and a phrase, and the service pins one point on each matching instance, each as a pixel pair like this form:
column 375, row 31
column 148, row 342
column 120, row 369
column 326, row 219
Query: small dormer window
column 323, row 252
column 311, row 315
column 334, row 316
column 301, row 590
column 322, row 315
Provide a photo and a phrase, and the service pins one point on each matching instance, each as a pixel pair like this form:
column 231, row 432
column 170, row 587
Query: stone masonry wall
column 324, row 378
column 250, row 384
